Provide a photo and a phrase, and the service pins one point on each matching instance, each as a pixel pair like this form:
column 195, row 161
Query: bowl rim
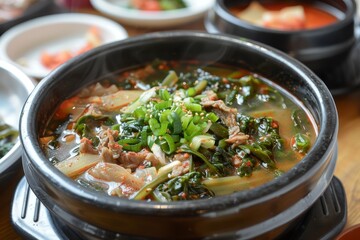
column 116, row 30
column 28, row 84
column 329, row 135
column 351, row 6
column 156, row 19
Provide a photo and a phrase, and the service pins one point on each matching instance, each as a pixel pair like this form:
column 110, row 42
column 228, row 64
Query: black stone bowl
column 15, row 87
column 266, row 211
column 332, row 51
column 38, row 9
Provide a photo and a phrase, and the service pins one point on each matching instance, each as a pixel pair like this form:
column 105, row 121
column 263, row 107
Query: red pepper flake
column 275, row 124
column 264, row 90
column 292, row 141
column 183, row 195
column 225, row 80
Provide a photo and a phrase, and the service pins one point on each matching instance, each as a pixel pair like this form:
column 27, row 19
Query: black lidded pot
column 332, row 51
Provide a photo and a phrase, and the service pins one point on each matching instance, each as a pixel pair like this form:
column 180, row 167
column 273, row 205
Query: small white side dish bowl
column 24, row 44
column 15, row 87
column 160, row 19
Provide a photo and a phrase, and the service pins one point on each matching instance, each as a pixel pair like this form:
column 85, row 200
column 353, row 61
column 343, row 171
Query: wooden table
column 347, row 169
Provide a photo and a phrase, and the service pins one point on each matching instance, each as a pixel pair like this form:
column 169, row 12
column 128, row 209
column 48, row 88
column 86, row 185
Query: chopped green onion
column 176, row 123
column 205, row 141
column 188, row 100
column 164, row 115
column 154, row 124
column 163, row 105
column 170, row 80
column 194, row 107
column 191, row 92
column 185, row 120
column 133, row 145
column 212, row 117
column 151, row 141
column 196, row 119
column 176, row 138
column 179, row 111
column 116, row 127
column 164, row 94
column 144, row 98
column 140, row 112
column 156, row 128
column 199, row 97
column 167, row 144
column 128, row 141
column 144, row 136
column 200, row 86
column 191, row 131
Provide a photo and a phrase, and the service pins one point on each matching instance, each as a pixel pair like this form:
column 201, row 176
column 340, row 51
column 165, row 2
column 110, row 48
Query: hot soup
column 173, row 131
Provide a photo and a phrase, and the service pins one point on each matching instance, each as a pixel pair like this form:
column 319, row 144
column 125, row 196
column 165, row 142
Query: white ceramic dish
column 24, row 43
column 117, row 9
column 15, row 86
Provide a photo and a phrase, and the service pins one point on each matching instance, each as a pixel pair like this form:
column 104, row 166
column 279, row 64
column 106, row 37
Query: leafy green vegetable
column 221, row 159
column 163, row 175
column 202, row 157
column 231, row 97
column 299, row 119
column 260, row 153
column 301, row 143
column 5, row 148
column 202, row 131
column 8, row 136
column 185, row 187
column 87, row 124
column 133, row 145
column 246, row 167
column 219, row 130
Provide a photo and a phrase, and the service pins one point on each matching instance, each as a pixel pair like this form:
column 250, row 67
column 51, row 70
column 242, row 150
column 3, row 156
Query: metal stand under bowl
column 325, row 219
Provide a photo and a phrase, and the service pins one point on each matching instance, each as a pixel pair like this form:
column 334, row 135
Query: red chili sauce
column 315, row 17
